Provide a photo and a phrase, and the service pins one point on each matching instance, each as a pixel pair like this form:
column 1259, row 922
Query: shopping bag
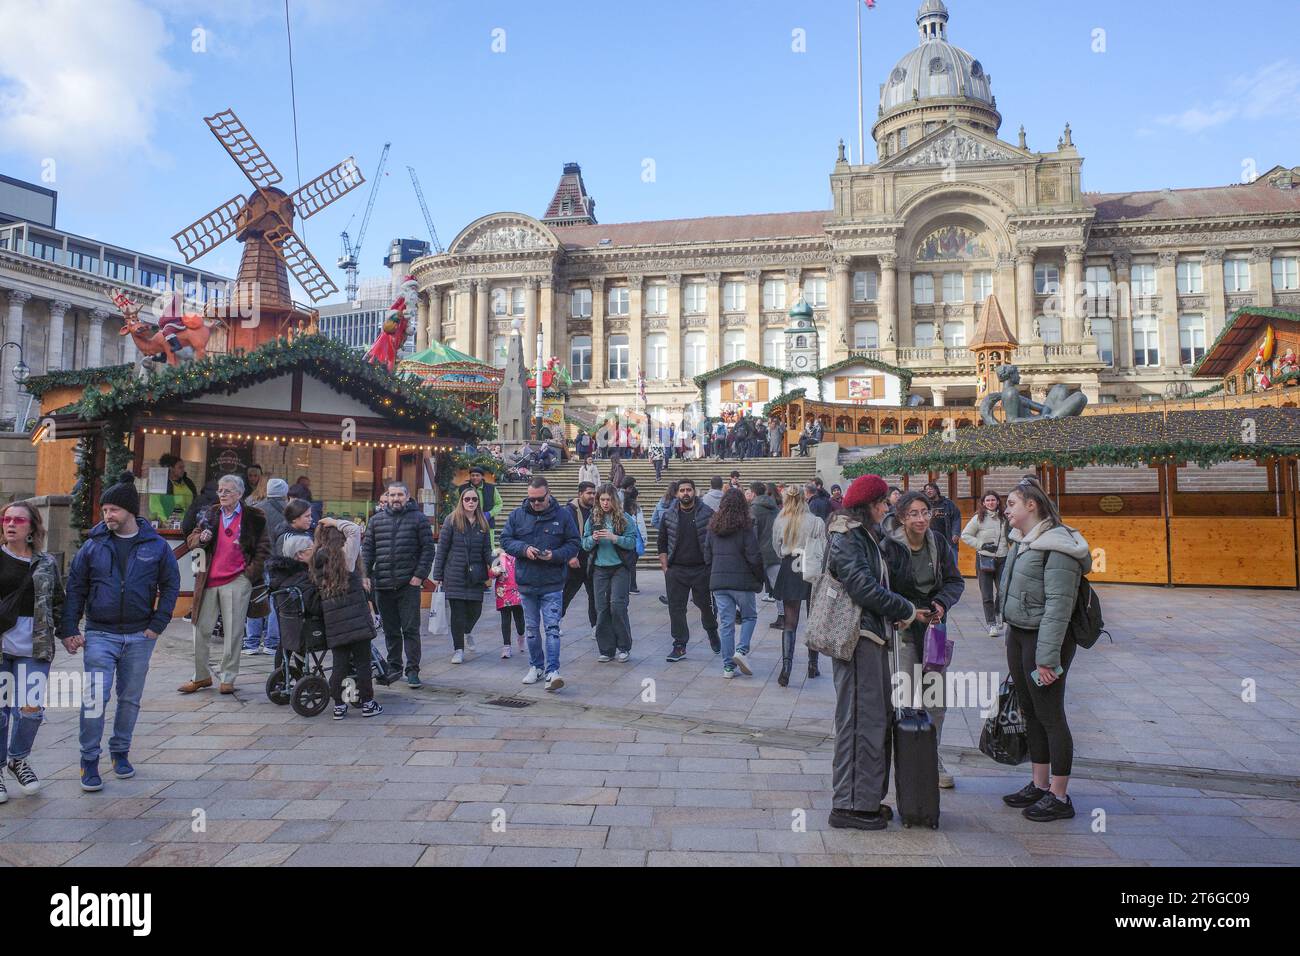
column 439, row 621
column 1005, row 739
column 938, row 649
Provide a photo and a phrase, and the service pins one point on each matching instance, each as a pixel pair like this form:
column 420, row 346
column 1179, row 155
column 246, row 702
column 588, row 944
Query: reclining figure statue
column 1060, row 401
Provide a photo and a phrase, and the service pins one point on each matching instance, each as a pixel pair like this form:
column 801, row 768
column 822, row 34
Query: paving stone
column 110, row 854
column 455, row 856
column 527, row 856
column 354, row 856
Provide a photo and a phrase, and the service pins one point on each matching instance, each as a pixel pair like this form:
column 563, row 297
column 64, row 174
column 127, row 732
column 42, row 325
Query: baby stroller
column 299, row 677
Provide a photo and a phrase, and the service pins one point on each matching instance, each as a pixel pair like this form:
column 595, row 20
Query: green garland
column 783, row 375
column 785, row 398
column 342, row 368
column 79, row 378
column 1203, row 393
column 79, row 511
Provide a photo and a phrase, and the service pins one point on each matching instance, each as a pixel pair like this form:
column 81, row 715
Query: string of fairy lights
column 299, row 440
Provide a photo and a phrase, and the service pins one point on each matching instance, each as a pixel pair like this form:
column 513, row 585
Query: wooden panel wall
column 56, row 468
column 1134, row 548
column 1257, row 552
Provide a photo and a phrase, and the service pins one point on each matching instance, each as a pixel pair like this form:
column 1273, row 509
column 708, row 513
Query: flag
column 871, row 4
column 640, row 387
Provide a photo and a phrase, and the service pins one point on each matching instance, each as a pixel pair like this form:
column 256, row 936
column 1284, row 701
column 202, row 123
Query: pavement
column 1187, row 735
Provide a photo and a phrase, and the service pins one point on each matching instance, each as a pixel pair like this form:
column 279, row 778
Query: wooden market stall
column 311, row 407
column 1205, row 497
column 855, row 425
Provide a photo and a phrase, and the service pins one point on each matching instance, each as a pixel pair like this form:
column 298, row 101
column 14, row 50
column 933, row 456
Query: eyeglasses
column 468, row 499
column 537, row 501
column 15, row 519
column 227, row 491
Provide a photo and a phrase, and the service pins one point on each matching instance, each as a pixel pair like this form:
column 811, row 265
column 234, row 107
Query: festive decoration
column 77, row 378
column 391, row 396
column 1203, row 437
column 782, row 400
column 392, row 335
column 784, row 375
column 548, row 374
column 178, row 337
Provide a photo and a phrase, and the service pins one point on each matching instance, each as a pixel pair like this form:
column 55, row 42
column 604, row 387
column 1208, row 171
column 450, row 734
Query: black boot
column 787, row 657
column 779, row 623
column 715, row 642
column 812, row 665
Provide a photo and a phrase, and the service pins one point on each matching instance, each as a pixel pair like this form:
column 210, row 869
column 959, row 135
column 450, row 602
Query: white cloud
column 1271, row 91
column 83, row 80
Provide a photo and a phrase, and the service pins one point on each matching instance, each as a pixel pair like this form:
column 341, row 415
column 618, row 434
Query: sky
column 674, row 109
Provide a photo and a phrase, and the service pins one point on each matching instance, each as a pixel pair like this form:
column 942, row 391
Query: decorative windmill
column 263, row 222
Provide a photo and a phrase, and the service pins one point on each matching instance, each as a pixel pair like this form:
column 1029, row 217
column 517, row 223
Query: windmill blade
column 327, row 187
column 301, row 263
column 207, row 232
column 243, row 149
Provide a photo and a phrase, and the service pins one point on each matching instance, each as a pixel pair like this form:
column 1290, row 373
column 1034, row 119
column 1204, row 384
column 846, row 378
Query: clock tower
column 801, row 340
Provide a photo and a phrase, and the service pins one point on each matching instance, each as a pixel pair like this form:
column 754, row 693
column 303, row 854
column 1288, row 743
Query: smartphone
column 1059, row 670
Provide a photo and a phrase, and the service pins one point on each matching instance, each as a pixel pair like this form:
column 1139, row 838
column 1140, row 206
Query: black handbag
column 9, row 605
column 986, row 562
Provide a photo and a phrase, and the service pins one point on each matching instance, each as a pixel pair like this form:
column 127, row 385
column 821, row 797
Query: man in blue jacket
column 543, row 537
column 125, row 580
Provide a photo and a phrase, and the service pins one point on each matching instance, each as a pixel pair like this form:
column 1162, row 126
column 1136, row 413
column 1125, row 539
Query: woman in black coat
column 340, row 601
column 859, row 560
column 460, row 567
column 735, row 564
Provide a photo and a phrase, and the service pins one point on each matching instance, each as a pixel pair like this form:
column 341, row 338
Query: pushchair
column 299, row 677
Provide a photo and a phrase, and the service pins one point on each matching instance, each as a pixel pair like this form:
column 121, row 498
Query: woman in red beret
column 860, row 559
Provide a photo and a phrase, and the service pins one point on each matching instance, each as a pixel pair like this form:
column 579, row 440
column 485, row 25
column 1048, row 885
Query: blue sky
column 733, row 118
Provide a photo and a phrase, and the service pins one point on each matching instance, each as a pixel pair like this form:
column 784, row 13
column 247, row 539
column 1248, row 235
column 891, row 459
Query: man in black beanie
column 125, row 580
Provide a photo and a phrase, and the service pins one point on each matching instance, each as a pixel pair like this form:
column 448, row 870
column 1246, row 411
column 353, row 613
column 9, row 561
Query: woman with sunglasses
column 460, row 567
column 31, row 602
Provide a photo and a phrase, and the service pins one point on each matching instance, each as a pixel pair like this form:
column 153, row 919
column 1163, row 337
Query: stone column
column 1025, row 294
column 599, row 356
column 940, row 393
column 1261, row 274
column 531, row 320
column 464, row 310
column 1071, row 303
column 887, row 311
column 841, row 292
column 9, row 357
column 433, row 332
column 713, row 320
column 1167, row 318
column 635, row 331
column 754, row 315
column 1121, row 333
column 482, row 345
column 422, row 322
column 95, row 340
column 1216, row 305
column 906, row 321
column 546, row 316
column 675, row 329
column 54, row 351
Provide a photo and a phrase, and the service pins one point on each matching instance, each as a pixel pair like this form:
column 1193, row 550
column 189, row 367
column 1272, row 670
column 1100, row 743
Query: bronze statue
column 1060, row 401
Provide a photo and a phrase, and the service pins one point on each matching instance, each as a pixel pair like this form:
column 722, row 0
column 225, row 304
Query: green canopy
column 439, row 354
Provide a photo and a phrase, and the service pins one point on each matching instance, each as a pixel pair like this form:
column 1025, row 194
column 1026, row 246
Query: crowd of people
column 894, row 552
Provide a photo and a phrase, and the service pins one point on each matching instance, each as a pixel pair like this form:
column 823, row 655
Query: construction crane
column 419, row 194
column 351, row 254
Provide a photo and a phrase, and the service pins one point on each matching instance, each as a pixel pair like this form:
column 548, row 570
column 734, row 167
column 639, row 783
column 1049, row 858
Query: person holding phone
column 1039, row 586
column 460, row 567
column 612, row 537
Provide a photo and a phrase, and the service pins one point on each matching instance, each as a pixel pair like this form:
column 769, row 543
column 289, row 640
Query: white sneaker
column 555, row 681
column 993, row 630
column 505, row 652
column 251, row 650
column 593, row 633
column 533, row 676
column 469, row 644
column 621, row 657
column 458, row 657
column 742, row 663
column 603, row 659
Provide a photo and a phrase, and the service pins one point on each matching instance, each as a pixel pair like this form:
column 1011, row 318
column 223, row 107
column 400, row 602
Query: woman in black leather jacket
column 860, row 558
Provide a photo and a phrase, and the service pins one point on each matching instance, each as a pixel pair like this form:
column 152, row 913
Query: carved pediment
column 509, row 233
column 953, row 146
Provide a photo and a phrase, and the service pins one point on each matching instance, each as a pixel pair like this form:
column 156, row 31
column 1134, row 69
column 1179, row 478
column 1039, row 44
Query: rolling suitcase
column 916, row 764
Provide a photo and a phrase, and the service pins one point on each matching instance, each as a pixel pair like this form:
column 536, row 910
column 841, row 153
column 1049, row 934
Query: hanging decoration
column 397, row 321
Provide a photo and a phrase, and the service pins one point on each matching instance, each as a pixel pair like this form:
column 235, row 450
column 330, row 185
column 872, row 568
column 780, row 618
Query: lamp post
column 537, row 394
column 20, row 373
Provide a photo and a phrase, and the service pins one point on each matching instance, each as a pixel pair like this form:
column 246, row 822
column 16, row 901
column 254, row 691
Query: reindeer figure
column 179, row 337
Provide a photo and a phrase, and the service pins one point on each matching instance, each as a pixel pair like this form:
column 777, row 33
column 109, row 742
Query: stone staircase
column 564, row 484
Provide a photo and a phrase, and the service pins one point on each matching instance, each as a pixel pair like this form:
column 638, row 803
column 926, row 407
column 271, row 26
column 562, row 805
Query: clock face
column 801, row 361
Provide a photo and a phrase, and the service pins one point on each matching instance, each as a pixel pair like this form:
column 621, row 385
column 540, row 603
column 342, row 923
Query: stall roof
column 391, row 396
column 1204, row 437
column 1237, row 336
column 439, row 353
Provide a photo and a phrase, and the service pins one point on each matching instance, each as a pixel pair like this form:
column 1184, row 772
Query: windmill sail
column 207, row 232
column 301, row 263
column 327, row 187
column 243, row 149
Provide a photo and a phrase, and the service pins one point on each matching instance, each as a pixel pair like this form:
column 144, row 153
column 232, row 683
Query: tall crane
column 419, row 194
column 351, row 254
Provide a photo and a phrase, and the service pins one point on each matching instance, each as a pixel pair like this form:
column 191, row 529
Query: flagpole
column 861, row 140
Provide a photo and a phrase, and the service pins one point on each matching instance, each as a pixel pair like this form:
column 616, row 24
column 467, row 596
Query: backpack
column 640, row 539
column 1086, row 625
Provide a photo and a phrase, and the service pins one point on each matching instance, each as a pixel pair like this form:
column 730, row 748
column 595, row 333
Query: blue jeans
column 263, row 630
column 124, row 657
column 543, row 611
column 728, row 602
column 27, row 692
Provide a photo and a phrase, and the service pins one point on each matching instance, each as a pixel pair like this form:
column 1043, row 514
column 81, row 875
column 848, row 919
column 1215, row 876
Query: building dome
column 935, row 69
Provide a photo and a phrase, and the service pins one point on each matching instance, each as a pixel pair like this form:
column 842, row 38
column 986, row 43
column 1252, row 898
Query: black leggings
column 352, row 659
column 508, row 614
column 1044, row 707
column 464, row 615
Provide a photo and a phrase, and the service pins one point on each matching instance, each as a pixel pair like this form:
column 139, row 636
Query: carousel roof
column 439, row 354
column 1205, row 437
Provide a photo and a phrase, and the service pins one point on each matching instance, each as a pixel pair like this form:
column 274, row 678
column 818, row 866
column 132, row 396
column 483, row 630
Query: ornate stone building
column 1117, row 293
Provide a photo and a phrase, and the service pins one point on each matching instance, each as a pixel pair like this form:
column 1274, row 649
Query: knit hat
column 864, row 490
column 122, row 494
column 277, row 488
